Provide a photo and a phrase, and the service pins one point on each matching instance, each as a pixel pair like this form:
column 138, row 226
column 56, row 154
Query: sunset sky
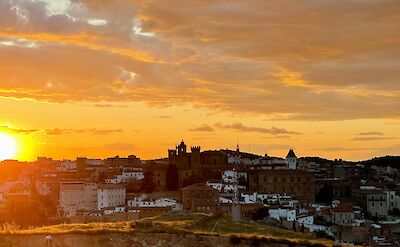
column 100, row 78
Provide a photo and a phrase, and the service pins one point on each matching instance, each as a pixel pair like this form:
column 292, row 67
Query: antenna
column 235, row 201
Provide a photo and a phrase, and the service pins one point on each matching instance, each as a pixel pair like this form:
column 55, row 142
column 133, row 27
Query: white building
column 278, row 213
column 216, row 185
column 77, row 196
column 391, row 199
column 270, row 199
column 229, row 176
column 142, row 201
column 42, row 188
column 110, row 195
column 113, row 210
column 343, row 214
column 226, row 185
column 161, row 202
column 291, row 160
column 95, row 162
column 127, row 175
column 377, row 204
column 66, row 165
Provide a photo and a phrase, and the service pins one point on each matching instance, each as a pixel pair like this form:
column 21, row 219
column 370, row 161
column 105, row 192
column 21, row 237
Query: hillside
column 187, row 229
column 393, row 161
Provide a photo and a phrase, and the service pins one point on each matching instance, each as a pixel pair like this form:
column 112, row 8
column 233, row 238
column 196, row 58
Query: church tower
column 291, row 160
column 181, row 149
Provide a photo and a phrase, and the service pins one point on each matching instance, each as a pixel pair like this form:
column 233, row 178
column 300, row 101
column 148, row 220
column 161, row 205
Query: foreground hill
column 170, row 230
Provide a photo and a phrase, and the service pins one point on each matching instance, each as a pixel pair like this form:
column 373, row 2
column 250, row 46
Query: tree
column 260, row 214
column 172, row 182
column 26, row 211
column 325, row 195
column 148, row 185
column 323, row 234
column 242, row 181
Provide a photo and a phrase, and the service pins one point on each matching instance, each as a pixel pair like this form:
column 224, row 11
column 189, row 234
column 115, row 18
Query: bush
column 322, row 234
column 255, row 242
column 235, row 239
column 260, row 214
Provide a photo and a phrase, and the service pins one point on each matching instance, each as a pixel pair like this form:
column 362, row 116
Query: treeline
column 392, row 161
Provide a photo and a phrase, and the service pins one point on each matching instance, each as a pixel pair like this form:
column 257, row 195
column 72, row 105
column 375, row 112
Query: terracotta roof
column 110, row 186
column 198, row 186
column 282, row 172
column 214, row 181
column 343, row 208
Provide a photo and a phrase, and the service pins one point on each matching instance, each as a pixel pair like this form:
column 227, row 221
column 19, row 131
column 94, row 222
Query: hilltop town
column 350, row 202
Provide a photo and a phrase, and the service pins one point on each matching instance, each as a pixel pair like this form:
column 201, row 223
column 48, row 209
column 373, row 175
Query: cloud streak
column 202, row 128
column 233, row 57
column 372, row 138
column 372, row 133
column 58, row 131
column 245, row 128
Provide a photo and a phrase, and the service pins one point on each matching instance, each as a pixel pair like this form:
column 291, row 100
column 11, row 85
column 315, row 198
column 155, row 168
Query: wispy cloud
column 244, row 128
column 10, row 129
column 122, row 146
column 342, row 149
column 58, row 131
column 203, row 128
column 164, row 116
column 165, row 52
column 372, row 138
column 372, row 133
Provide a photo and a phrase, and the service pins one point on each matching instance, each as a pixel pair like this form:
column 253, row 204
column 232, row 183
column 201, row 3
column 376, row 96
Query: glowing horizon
column 106, row 78
column 8, row 147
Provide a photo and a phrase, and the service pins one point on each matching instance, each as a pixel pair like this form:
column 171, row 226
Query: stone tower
column 195, row 156
column 171, row 156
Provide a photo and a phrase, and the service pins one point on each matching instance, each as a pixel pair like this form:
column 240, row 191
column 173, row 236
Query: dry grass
column 203, row 224
column 90, row 228
column 180, row 223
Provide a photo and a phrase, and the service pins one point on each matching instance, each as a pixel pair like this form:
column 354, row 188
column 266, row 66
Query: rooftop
column 110, row 186
column 291, row 154
column 198, row 186
column 343, row 208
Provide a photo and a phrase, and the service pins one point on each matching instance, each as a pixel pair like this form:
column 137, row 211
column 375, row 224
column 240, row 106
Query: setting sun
column 8, row 147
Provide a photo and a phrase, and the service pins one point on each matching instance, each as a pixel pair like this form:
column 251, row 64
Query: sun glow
column 8, row 147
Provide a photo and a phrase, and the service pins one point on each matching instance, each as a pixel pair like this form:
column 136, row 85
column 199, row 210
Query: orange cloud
column 83, row 40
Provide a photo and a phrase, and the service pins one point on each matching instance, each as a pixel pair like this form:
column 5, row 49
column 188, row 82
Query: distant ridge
column 393, row 161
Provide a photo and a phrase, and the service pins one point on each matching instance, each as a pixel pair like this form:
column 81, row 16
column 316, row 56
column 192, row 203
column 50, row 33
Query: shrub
column 235, row 239
column 255, row 242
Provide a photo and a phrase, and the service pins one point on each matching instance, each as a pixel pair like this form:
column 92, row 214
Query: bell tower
column 181, row 148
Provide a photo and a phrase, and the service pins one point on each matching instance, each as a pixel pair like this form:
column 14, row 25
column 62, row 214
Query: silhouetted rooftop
column 291, row 154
